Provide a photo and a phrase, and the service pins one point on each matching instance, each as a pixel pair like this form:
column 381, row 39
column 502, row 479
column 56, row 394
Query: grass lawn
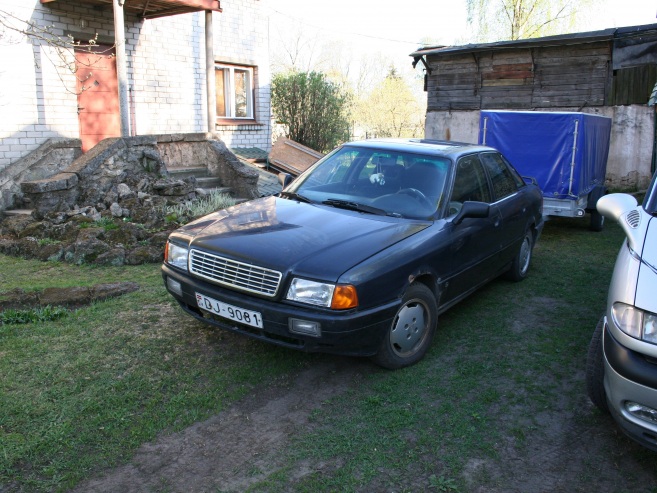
column 81, row 393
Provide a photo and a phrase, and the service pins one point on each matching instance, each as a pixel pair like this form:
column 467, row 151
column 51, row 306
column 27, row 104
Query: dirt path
column 237, row 447
column 245, row 444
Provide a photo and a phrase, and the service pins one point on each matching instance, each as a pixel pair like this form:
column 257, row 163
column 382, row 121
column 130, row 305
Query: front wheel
column 520, row 266
column 409, row 336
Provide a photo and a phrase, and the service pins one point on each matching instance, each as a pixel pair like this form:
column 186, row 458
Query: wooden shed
column 610, row 72
column 610, row 67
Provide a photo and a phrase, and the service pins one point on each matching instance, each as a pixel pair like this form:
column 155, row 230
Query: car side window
column 470, row 182
column 504, row 178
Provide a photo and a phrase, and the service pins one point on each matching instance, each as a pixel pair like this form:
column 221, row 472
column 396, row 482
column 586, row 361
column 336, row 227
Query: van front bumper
column 630, row 378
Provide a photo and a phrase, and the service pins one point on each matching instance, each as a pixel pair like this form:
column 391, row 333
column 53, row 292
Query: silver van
column 621, row 370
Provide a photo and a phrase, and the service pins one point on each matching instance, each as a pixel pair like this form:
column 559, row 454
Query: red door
column 98, row 96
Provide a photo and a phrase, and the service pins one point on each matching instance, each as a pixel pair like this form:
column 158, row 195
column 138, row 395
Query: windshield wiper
column 296, row 196
column 355, row 206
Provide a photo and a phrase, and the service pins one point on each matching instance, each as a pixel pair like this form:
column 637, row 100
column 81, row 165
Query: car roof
column 445, row 148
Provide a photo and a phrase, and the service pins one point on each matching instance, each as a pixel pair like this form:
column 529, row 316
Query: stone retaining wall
column 49, row 159
column 94, row 177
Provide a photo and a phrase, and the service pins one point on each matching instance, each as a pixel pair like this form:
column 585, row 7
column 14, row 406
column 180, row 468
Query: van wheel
column 409, row 336
column 595, row 371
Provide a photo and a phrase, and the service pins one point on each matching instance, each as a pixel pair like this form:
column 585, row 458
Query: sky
column 402, row 26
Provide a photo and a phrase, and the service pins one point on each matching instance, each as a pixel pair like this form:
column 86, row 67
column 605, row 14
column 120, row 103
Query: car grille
column 238, row 275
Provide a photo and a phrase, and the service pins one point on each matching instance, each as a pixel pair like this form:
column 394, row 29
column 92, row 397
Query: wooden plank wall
column 522, row 78
column 633, row 85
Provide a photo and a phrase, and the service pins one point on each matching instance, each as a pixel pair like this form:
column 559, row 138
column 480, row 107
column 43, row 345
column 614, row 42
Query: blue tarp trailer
column 564, row 152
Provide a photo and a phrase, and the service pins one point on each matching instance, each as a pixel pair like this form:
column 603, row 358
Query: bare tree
column 391, row 109
column 495, row 20
column 64, row 50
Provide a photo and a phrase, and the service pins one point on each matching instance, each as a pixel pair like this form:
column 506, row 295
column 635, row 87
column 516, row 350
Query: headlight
column 176, row 255
column 634, row 322
column 338, row 297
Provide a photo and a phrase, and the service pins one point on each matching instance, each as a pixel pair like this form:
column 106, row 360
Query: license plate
column 231, row 312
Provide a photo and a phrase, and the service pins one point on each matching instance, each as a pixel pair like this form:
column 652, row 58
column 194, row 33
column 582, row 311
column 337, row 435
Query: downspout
column 210, row 74
column 121, row 66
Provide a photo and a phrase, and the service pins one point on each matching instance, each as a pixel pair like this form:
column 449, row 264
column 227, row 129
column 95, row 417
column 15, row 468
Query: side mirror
column 472, row 209
column 623, row 208
column 285, row 179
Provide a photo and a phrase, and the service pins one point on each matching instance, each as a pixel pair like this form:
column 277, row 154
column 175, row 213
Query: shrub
column 32, row 315
column 187, row 211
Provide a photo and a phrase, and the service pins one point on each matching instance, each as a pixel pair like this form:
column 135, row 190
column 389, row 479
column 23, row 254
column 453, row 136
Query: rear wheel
column 595, row 370
column 411, row 331
column 597, row 221
column 520, row 266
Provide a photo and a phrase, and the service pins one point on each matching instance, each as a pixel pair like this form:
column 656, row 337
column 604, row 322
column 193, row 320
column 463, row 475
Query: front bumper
column 352, row 332
column 630, row 377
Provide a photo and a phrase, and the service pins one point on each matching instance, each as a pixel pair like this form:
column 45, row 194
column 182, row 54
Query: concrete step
column 18, row 212
column 208, row 182
column 208, row 190
column 187, row 171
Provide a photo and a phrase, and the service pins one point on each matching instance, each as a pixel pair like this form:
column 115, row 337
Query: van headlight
column 634, row 322
column 338, row 297
column 176, row 255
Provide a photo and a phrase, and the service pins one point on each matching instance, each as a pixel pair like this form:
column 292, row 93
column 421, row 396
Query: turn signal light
column 344, row 297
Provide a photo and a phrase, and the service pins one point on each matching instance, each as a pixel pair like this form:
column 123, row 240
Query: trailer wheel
column 597, row 221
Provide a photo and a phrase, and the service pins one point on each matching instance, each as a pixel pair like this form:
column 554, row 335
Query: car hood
column 647, row 281
column 311, row 240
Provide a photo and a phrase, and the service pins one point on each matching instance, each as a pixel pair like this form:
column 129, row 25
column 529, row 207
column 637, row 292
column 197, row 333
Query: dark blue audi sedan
column 362, row 252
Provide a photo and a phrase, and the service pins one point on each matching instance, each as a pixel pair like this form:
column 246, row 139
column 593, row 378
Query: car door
column 509, row 202
column 474, row 241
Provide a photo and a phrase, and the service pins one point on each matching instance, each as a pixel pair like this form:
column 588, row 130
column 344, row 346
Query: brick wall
column 166, row 71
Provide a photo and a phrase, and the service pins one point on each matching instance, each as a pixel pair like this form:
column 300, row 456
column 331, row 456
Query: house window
column 234, row 92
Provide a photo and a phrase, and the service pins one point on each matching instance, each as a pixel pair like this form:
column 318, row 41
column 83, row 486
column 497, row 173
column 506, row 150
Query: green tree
column 391, row 109
column 495, row 20
column 314, row 109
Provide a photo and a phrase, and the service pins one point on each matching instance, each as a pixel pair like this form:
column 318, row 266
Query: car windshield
column 378, row 181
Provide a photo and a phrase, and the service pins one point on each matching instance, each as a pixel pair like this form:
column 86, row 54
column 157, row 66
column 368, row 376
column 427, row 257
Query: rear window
column 504, row 178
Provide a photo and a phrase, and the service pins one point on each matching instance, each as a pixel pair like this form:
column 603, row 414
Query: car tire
column 520, row 266
column 410, row 334
column 597, row 221
column 595, row 371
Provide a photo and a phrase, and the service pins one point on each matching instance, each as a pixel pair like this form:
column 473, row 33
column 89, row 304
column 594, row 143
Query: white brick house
column 166, row 72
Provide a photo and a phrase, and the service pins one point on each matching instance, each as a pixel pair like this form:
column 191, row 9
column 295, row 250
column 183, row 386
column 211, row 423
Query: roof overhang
column 148, row 9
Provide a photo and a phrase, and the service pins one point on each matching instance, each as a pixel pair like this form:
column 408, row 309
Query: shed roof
column 562, row 39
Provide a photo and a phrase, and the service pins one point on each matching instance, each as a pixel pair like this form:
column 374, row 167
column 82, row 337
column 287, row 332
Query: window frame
column 227, row 72
column 495, row 161
column 483, row 179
